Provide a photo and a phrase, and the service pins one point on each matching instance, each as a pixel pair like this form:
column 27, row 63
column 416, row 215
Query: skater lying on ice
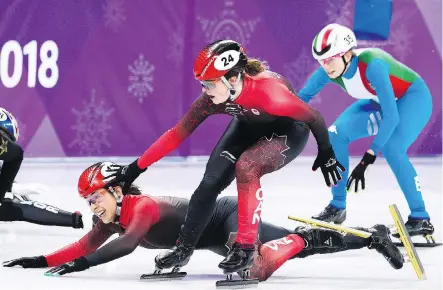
column 153, row 222
column 15, row 204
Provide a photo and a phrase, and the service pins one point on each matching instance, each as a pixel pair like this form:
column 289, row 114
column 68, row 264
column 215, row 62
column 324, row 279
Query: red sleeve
column 169, row 141
column 145, row 214
column 280, row 101
column 86, row 245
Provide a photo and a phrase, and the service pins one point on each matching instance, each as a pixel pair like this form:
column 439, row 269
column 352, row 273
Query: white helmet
column 333, row 40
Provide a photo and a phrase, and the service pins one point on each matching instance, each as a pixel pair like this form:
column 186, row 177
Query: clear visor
column 94, row 198
column 209, row 85
column 330, row 60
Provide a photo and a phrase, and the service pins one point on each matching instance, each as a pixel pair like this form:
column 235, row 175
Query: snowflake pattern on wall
column 114, row 14
column 340, row 11
column 400, row 41
column 174, row 27
column 92, row 126
column 298, row 71
column 228, row 25
column 176, row 45
column 141, row 78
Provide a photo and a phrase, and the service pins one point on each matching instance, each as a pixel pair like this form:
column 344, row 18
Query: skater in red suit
column 269, row 129
column 153, row 222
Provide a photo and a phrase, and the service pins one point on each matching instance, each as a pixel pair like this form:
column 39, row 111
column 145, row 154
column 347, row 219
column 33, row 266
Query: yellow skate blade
column 326, row 225
column 407, row 242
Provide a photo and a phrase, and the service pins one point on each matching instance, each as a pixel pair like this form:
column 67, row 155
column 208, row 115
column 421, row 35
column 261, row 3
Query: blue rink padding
column 372, row 19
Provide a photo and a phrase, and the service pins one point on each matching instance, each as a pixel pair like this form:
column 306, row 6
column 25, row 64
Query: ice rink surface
column 294, row 190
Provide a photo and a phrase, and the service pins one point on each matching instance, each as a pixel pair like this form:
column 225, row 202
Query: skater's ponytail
column 255, row 66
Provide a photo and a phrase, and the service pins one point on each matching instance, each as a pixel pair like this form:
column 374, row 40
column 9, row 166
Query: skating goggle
column 94, row 198
column 329, row 59
column 209, row 85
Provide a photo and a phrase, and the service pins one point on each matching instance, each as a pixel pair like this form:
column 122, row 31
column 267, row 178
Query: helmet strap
column 119, row 200
column 346, row 64
column 232, row 91
column 118, row 211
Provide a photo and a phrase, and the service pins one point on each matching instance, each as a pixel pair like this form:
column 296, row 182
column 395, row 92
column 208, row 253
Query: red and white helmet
column 333, row 40
column 93, row 178
column 218, row 58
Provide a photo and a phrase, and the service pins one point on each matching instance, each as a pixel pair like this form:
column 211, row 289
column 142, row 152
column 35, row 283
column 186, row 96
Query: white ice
column 294, row 190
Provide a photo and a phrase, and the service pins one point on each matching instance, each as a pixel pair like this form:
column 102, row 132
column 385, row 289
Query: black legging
column 222, row 228
column 221, row 167
column 35, row 212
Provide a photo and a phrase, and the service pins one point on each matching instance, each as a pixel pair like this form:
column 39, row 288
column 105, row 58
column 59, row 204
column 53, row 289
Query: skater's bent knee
column 394, row 151
column 210, row 185
column 248, row 175
column 246, row 169
column 211, row 181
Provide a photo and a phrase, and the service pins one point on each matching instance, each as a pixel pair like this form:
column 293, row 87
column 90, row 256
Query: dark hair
column 253, row 67
column 133, row 189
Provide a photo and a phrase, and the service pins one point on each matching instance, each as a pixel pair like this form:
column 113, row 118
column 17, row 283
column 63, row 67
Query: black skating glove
column 77, row 220
column 77, row 265
column 358, row 174
column 126, row 174
column 329, row 165
column 27, row 262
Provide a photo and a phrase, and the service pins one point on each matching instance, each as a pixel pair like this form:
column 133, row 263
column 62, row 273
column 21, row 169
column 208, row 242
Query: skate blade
column 163, row 276
column 331, row 226
column 420, row 245
column 237, row 284
column 406, row 240
column 430, row 241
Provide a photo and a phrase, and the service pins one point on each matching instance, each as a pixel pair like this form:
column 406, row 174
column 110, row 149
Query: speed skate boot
column 239, row 259
column 380, row 240
column 332, row 214
column 319, row 241
column 419, row 227
column 176, row 257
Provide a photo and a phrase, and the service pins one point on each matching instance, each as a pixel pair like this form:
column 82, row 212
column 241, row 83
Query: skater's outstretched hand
column 358, row 174
column 123, row 174
column 77, row 265
column 329, row 166
column 27, row 262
